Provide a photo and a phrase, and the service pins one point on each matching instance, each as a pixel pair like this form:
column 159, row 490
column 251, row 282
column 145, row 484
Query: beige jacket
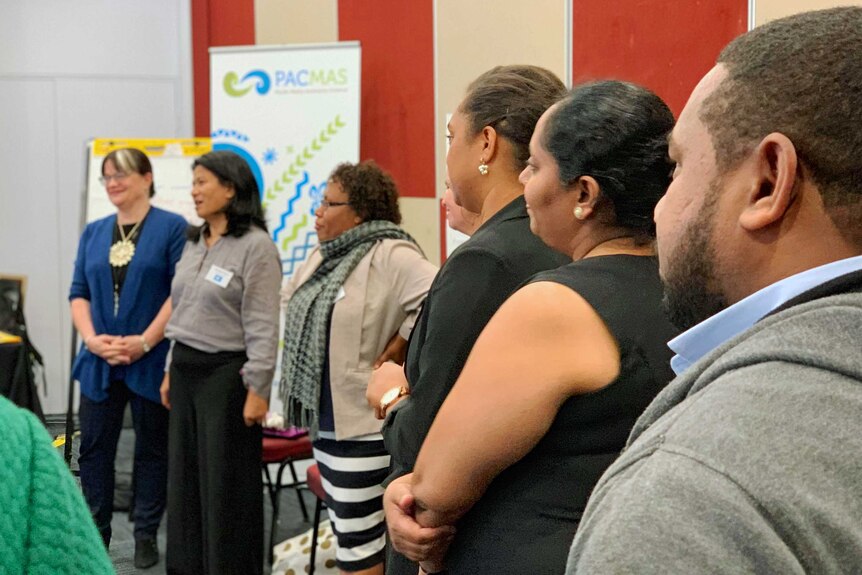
column 381, row 296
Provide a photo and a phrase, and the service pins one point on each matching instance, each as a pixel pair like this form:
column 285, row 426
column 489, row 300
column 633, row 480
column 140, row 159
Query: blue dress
column 145, row 289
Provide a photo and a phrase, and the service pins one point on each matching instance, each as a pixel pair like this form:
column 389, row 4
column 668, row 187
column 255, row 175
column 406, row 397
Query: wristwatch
column 390, row 397
column 145, row 345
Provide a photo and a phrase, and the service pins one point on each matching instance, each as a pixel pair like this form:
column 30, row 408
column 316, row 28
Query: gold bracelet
column 145, row 345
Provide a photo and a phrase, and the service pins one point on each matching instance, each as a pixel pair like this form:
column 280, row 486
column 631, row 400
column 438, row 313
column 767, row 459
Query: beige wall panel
column 420, row 220
column 766, row 10
column 475, row 35
column 295, row 21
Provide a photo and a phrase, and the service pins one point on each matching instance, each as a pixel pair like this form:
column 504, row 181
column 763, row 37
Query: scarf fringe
column 297, row 414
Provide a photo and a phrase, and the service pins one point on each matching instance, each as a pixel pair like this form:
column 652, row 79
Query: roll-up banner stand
column 293, row 113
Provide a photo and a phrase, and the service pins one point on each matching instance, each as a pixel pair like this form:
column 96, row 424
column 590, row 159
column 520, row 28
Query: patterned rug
column 291, row 556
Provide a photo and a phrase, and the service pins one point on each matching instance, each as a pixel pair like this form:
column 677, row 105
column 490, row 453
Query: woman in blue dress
column 120, row 299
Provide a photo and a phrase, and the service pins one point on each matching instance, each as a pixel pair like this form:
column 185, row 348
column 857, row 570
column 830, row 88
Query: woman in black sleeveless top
column 562, row 371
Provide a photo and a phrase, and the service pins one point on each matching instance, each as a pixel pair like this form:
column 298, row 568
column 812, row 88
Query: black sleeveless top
column 526, row 520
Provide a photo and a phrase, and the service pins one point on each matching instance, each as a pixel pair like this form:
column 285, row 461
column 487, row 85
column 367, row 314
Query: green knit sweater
column 45, row 526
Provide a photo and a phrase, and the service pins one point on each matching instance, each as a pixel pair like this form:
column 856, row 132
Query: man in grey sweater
column 751, row 460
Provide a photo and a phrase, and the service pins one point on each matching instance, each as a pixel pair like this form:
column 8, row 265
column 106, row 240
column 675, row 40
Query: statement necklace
column 123, row 251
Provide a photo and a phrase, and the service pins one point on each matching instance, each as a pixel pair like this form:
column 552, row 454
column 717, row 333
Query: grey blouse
column 226, row 298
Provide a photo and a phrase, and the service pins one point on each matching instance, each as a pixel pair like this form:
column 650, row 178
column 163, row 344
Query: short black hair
column 244, row 210
column 372, row 192
column 800, row 76
column 511, row 99
column 615, row 132
column 131, row 160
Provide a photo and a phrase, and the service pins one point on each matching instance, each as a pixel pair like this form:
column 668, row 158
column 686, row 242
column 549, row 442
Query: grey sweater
column 749, row 462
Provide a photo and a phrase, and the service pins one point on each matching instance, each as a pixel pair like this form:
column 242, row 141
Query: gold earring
column 483, row 168
column 579, row 212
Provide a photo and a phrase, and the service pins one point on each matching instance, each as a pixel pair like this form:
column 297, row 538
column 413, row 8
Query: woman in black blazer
column 489, row 138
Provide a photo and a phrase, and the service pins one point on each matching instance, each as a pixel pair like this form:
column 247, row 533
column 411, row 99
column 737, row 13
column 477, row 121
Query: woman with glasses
column 349, row 308
column 120, row 305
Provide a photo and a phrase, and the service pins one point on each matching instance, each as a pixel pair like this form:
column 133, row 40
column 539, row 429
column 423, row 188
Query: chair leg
column 317, row 507
column 298, row 491
column 273, row 501
column 272, row 525
column 268, row 483
column 273, row 490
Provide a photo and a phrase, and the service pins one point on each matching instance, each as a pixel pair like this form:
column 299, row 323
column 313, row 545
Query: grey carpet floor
column 122, row 549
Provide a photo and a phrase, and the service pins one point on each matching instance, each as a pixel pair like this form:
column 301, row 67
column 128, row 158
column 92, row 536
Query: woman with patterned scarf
column 349, row 308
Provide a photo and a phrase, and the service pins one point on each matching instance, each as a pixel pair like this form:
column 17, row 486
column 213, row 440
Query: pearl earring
column 579, row 212
column 483, row 168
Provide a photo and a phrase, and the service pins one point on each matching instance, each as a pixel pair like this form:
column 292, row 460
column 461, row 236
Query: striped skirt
column 351, row 473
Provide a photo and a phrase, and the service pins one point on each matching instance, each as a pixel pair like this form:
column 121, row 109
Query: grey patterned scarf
column 307, row 319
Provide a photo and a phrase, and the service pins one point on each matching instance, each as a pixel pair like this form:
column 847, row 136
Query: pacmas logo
column 305, row 78
column 286, row 81
column 256, row 79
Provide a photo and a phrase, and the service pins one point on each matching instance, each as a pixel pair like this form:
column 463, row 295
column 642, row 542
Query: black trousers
column 101, row 423
column 215, row 491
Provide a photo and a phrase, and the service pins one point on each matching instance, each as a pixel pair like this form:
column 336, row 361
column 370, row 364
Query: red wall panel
column 397, row 109
column 663, row 45
column 215, row 23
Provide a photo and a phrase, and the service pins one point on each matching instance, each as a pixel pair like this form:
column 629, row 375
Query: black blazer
column 476, row 279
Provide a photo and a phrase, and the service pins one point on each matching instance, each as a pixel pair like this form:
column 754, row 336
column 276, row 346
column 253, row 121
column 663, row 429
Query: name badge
column 219, row 276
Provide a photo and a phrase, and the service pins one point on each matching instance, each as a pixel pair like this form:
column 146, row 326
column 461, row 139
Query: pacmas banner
column 293, row 113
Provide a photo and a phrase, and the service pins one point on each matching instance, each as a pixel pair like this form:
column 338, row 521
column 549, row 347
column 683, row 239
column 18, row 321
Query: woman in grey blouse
column 224, row 329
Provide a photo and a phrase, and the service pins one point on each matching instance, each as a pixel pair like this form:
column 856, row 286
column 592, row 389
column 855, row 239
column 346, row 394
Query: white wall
column 69, row 72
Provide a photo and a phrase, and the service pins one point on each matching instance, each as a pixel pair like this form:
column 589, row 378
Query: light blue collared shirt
column 695, row 343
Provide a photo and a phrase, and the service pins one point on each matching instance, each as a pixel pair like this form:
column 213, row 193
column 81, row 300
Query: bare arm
column 415, row 542
column 395, row 351
column 544, row 345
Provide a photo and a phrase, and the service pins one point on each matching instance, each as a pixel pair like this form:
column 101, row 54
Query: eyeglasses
column 105, row 180
column 326, row 204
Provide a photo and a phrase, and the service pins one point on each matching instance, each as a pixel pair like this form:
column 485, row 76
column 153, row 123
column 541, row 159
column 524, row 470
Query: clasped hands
column 424, row 545
column 116, row 349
